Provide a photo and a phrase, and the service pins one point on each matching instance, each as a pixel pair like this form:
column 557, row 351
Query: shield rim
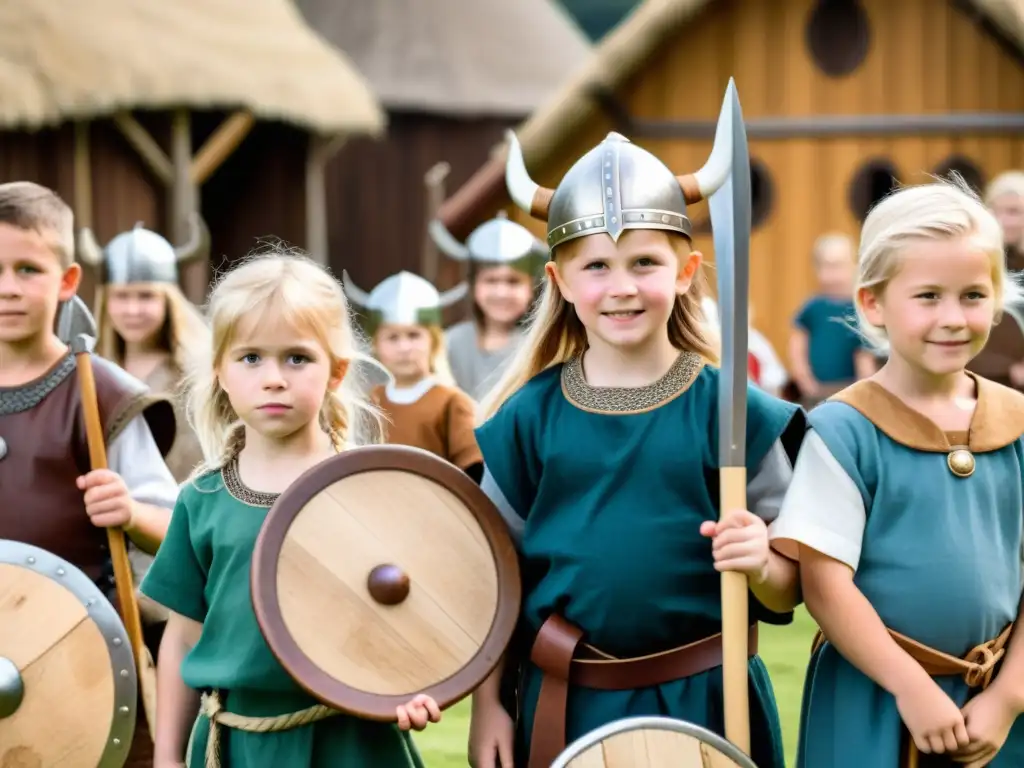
column 103, row 614
column 596, row 736
column 267, row 550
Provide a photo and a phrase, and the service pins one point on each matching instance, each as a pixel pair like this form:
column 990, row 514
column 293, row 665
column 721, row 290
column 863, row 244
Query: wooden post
column 83, row 176
column 183, row 200
column 321, row 149
column 434, row 182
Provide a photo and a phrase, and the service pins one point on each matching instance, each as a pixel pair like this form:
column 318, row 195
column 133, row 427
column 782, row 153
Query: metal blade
column 730, row 221
column 76, row 326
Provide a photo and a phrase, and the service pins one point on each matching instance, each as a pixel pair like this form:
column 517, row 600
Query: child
column 505, row 260
column 61, row 505
column 600, row 448
column 825, row 354
column 146, row 325
column 1005, row 197
column 763, row 366
column 905, row 506
column 425, row 408
column 271, row 401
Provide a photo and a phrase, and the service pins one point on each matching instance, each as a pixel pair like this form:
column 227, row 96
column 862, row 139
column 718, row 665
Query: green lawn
column 784, row 649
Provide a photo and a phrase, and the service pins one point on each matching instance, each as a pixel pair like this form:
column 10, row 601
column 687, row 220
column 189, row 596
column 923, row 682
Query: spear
column 77, row 328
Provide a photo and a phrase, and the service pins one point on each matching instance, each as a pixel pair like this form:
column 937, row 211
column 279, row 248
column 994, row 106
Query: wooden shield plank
column 652, row 742
column 67, row 676
column 382, row 573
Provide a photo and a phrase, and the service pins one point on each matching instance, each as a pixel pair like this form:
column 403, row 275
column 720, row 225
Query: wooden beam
column 817, row 126
column 83, row 176
column 220, row 145
column 183, row 201
column 145, row 145
column 320, row 150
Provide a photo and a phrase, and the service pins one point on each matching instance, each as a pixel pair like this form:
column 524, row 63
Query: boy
column 62, row 506
column 825, row 353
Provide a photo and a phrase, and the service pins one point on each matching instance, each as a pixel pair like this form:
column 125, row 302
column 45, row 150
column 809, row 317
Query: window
column 838, row 36
column 875, row 179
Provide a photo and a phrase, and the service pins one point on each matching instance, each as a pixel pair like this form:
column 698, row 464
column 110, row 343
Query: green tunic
column 612, row 486
column 202, row 572
column 940, row 561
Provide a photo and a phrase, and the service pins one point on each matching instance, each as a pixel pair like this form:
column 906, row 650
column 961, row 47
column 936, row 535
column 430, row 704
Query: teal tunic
column 832, row 342
column 940, row 563
column 202, row 572
column 613, row 486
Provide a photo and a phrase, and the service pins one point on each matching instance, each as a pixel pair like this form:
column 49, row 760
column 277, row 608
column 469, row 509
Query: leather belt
column 558, row 653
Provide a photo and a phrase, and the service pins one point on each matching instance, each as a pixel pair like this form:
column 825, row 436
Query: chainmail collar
column 27, row 396
column 629, row 399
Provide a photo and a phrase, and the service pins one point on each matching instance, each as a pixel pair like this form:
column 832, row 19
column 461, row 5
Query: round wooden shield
column 382, row 573
column 652, row 742
column 68, row 686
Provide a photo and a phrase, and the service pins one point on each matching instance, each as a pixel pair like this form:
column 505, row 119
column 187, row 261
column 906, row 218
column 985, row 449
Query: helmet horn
column 89, row 251
column 198, row 243
column 709, row 179
column 455, row 294
column 355, row 294
column 446, row 241
column 525, row 192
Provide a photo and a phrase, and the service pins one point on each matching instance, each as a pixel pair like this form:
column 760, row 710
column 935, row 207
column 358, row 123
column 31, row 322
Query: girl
column 146, row 325
column 505, row 260
column 905, row 507
column 272, row 401
column 600, row 448
column 425, row 408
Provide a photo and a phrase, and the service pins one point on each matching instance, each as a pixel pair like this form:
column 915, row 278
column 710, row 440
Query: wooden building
column 840, row 97
column 146, row 111
column 452, row 76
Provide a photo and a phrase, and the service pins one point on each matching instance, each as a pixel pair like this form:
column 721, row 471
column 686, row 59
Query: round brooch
column 961, row 462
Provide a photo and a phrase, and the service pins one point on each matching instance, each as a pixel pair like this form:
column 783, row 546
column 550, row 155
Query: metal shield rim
column 267, row 606
column 596, row 736
column 103, row 614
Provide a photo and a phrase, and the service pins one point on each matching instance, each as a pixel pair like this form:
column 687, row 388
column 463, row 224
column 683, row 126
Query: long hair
column 555, row 334
column 184, row 329
column 943, row 210
column 293, row 290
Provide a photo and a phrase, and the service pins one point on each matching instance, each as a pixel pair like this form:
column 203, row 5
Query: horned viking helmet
column 402, row 299
column 618, row 186
column 141, row 255
column 498, row 242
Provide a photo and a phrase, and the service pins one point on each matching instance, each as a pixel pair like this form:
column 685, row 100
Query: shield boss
column 68, row 687
column 382, row 573
column 652, row 742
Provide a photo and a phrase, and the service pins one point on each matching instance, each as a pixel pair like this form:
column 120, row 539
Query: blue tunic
column 613, row 485
column 940, row 561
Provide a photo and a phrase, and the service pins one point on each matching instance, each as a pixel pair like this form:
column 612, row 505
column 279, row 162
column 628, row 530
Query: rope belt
column 212, row 709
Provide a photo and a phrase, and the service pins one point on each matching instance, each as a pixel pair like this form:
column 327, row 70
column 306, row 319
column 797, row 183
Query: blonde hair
column 1008, row 183
column 34, row 208
column 184, row 329
column 829, row 240
column 287, row 285
column 944, row 210
column 555, row 334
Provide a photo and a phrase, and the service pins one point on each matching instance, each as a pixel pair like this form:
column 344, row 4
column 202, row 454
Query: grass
column 784, row 649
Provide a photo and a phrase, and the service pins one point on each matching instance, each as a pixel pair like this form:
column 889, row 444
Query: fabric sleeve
column 769, row 420
column 463, row 451
column 134, row 455
column 515, row 521
column 823, row 508
column 509, row 444
column 767, row 488
column 177, row 578
column 805, row 317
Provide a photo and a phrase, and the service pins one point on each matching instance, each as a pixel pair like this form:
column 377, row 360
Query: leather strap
column 558, row 653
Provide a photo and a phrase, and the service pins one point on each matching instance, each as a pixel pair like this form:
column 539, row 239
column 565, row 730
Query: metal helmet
column 141, row 255
column 402, row 299
column 498, row 242
column 618, row 186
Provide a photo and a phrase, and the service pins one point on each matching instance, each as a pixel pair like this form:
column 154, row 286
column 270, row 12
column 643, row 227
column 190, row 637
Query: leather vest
column 45, row 451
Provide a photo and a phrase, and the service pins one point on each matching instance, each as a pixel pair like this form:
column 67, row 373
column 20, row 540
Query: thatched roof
column 455, row 57
column 66, row 59
column 619, row 56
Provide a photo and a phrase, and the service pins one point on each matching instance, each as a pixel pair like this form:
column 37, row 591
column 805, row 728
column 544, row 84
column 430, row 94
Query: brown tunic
column 441, row 422
column 43, row 429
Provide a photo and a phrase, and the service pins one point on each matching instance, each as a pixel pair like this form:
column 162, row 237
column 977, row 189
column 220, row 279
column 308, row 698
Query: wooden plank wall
column 925, row 56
